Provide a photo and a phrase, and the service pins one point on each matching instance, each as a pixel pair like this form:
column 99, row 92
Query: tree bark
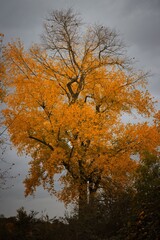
column 83, row 198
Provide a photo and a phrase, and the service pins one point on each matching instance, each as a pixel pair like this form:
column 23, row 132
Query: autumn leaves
column 66, row 101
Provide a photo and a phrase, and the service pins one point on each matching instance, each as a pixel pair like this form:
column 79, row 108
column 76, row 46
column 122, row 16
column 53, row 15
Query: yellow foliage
column 80, row 137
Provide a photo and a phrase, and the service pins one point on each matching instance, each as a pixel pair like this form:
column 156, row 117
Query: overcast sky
column 138, row 22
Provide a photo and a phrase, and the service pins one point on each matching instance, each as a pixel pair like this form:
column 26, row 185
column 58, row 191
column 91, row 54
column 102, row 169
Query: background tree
column 144, row 219
column 66, row 98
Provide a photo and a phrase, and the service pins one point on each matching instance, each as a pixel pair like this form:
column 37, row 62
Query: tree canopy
column 65, row 102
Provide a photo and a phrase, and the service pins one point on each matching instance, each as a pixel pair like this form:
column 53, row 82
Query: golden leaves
column 84, row 138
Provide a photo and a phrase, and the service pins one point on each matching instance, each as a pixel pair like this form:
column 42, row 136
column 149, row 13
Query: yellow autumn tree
column 66, row 99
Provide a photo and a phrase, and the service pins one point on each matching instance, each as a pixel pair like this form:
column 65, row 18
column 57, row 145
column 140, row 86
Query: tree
column 66, row 98
column 144, row 216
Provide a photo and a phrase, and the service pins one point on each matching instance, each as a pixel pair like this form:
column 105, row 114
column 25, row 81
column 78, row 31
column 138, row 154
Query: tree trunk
column 87, row 195
column 83, row 199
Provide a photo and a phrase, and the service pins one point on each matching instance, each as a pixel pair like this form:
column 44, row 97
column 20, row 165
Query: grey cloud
column 17, row 14
column 49, row 205
column 13, row 198
column 141, row 20
column 24, row 18
column 146, row 5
